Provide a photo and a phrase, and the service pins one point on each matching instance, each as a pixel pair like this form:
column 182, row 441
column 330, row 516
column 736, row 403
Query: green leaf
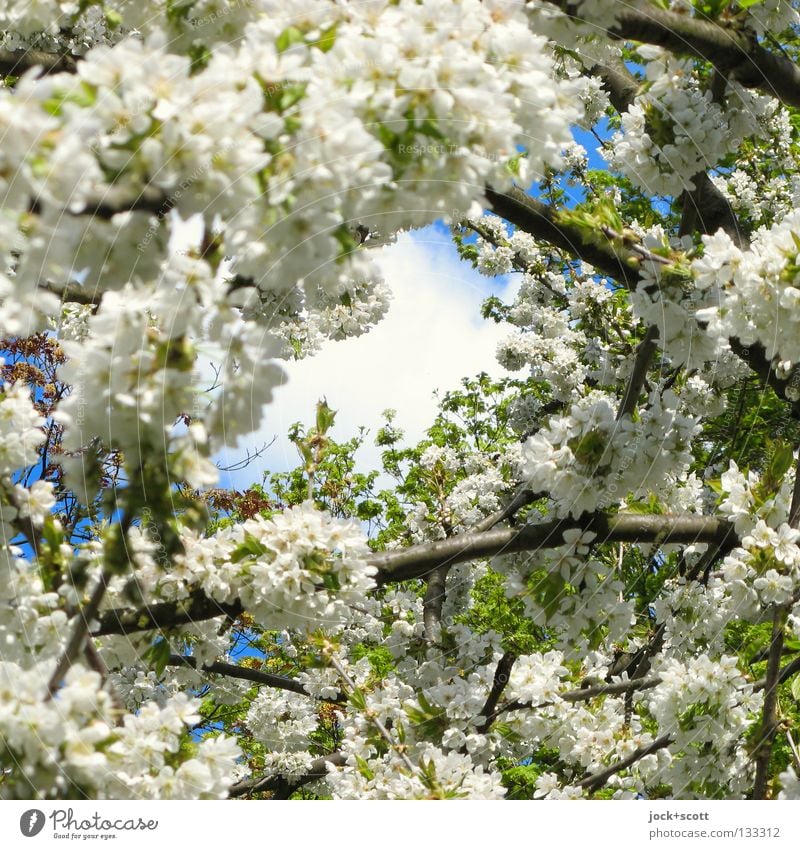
column 325, row 417
column 781, row 460
column 158, row 656
column 289, row 95
column 428, row 128
column 367, row 510
column 364, row 769
column 796, row 689
column 357, row 700
column 251, row 547
column 328, row 38
column 290, row 36
column 330, row 580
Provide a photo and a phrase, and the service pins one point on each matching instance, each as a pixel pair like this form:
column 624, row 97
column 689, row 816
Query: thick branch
column 73, row 294
column 543, row 222
column 769, row 716
column 502, row 675
column 433, row 603
column 707, row 210
column 756, row 358
column 14, row 63
column 196, row 608
column 620, row 84
column 645, row 351
column 585, row 694
column 419, row 560
column 158, row 205
column 734, row 52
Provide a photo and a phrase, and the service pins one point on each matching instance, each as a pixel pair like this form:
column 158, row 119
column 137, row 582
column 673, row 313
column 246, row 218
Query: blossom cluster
column 72, row 743
column 758, row 290
column 676, row 130
column 298, row 569
column 706, row 706
column 590, row 458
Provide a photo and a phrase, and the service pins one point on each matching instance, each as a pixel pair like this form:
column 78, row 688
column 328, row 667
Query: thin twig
column 585, row 694
column 793, row 749
column 794, row 510
column 257, row 676
column 282, row 786
column 521, row 499
column 594, row 782
column 373, row 718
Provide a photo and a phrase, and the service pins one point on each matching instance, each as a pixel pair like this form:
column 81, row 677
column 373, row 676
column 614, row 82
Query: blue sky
column 432, row 336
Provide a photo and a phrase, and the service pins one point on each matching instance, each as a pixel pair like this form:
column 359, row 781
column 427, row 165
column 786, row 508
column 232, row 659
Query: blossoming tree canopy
column 583, row 582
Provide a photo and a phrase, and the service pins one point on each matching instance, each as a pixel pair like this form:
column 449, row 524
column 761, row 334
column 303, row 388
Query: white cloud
column 432, row 336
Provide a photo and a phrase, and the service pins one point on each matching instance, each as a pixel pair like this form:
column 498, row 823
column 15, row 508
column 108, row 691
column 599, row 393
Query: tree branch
column 791, row 669
column 420, row 560
column 433, row 602
column 521, row 498
column 502, row 675
column 762, row 753
column 706, row 207
column 794, row 509
column 80, row 630
column 620, row 84
column 594, row 782
column 169, row 614
column 545, row 223
column 734, row 52
column 710, row 211
column 231, row 670
column 645, row 351
column 585, row 694
column 282, row 786
column 755, row 357
column 14, row 63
